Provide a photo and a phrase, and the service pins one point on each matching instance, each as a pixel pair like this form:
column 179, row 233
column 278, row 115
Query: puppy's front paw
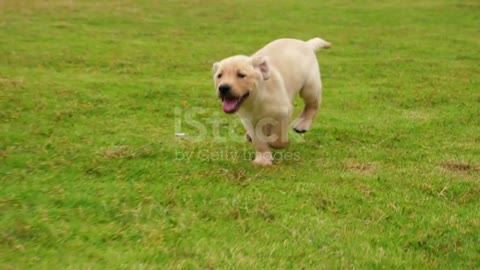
column 263, row 159
column 262, row 162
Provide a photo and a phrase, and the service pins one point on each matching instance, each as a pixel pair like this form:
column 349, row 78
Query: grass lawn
column 92, row 175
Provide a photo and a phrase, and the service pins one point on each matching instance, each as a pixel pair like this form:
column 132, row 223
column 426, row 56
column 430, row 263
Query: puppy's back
column 294, row 59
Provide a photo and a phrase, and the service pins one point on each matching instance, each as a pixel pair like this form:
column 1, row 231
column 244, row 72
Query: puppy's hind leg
column 311, row 94
column 248, row 137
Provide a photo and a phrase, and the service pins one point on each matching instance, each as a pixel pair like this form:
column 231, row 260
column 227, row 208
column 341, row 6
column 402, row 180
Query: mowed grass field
column 92, row 175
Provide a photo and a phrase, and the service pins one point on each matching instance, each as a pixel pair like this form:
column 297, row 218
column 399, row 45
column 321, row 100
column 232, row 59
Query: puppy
column 261, row 88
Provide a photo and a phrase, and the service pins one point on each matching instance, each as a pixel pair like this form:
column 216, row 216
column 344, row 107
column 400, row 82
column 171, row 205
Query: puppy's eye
column 219, row 75
column 241, row 75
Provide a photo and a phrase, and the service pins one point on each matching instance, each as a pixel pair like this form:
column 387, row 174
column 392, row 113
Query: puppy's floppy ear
column 215, row 67
column 263, row 64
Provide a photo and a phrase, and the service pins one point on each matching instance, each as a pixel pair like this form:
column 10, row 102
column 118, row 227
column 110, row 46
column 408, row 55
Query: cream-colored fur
column 262, row 87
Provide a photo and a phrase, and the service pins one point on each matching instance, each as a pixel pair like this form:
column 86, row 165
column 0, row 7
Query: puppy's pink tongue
column 229, row 104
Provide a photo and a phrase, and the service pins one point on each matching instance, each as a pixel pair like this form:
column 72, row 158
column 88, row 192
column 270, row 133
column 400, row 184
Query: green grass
column 90, row 169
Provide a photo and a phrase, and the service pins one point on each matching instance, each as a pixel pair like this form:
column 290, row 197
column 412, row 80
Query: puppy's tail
column 318, row 43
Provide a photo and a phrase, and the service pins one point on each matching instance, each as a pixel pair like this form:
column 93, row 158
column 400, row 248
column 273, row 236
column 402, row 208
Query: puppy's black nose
column 224, row 88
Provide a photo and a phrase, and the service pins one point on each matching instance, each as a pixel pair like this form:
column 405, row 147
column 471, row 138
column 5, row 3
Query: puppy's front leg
column 263, row 155
column 279, row 137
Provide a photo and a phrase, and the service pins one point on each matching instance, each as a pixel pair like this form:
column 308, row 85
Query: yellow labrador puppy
column 261, row 88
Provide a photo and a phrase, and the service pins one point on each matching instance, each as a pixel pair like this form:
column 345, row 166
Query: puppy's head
column 237, row 77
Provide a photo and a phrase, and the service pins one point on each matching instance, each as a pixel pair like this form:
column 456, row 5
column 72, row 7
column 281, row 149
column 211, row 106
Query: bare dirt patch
column 360, row 167
column 458, row 166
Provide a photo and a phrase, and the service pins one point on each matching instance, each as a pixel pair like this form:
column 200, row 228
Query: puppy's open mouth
column 231, row 104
